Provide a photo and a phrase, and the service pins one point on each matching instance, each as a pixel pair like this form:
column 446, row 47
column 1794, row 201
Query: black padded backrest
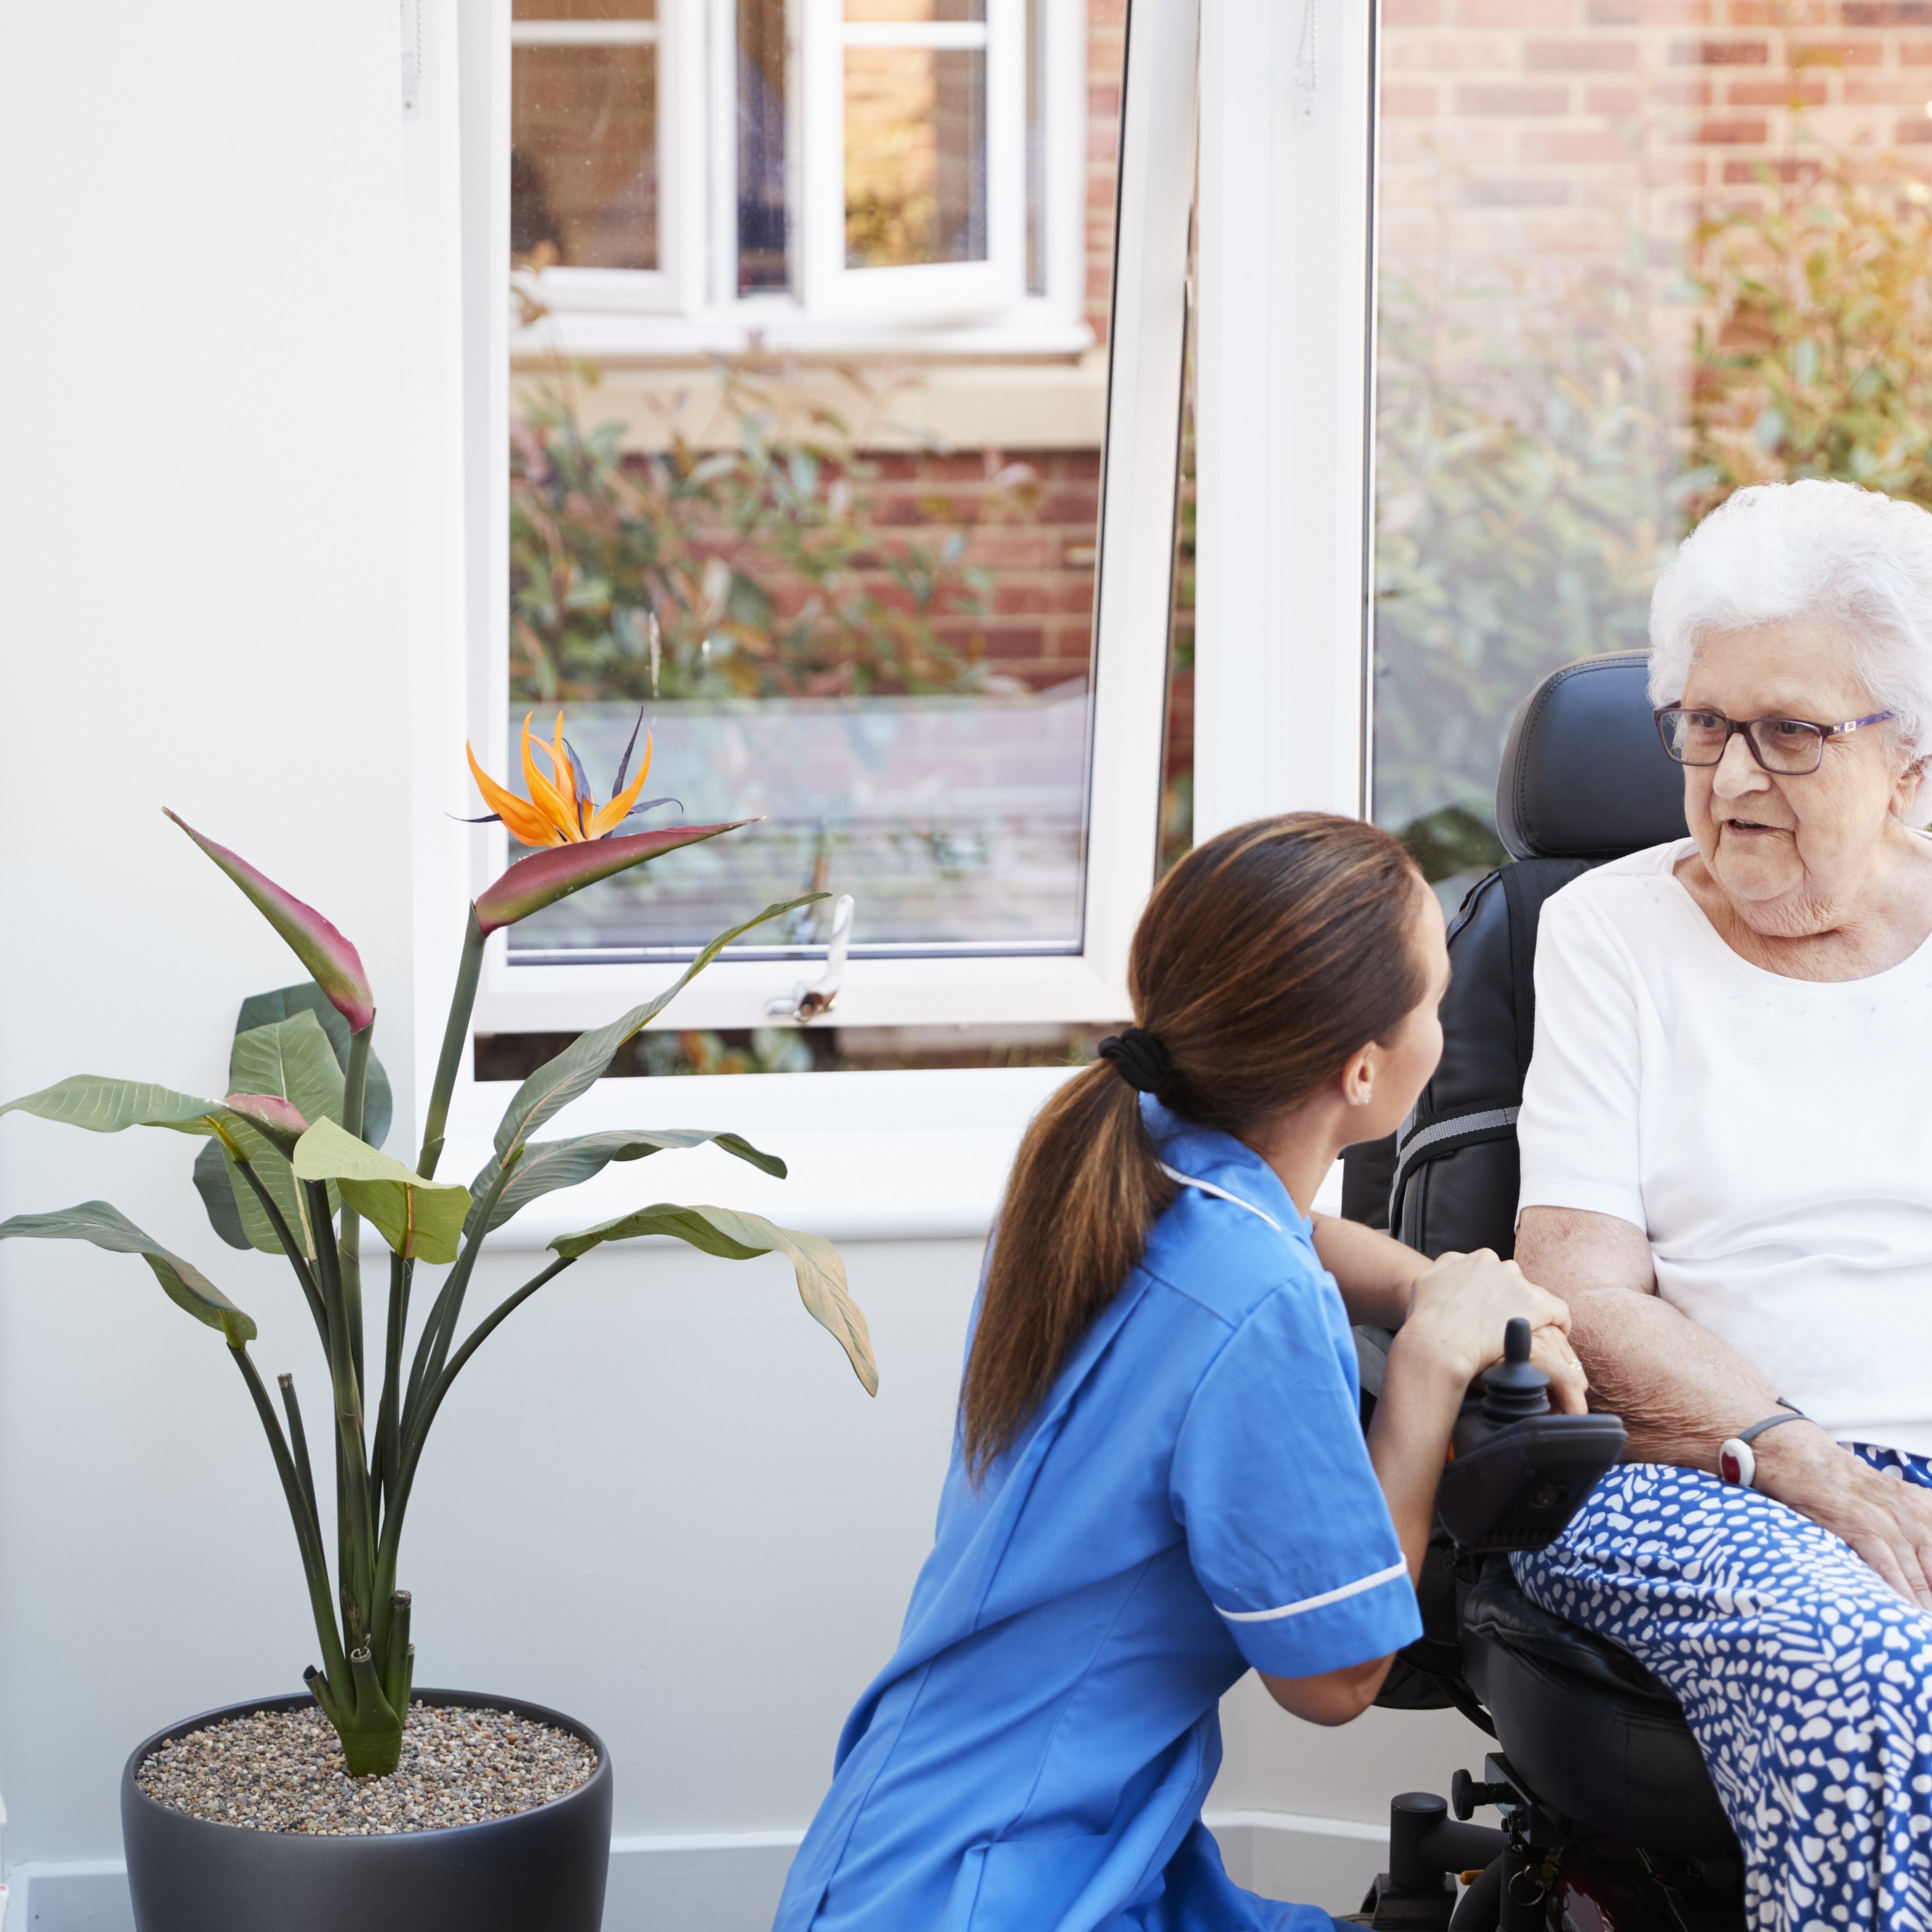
column 1585, row 778
column 1456, row 1175
column 1584, row 774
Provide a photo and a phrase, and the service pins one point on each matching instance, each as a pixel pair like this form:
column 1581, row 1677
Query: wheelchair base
column 1536, row 1874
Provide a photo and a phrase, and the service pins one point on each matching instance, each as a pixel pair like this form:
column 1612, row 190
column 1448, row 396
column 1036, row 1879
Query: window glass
column 764, row 221
column 848, row 594
column 1630, row 260
column 583, row 160
column 915, row 132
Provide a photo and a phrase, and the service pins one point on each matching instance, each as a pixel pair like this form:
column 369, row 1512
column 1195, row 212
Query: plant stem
column 355, row 1090
column 355, row 1529
column 291, row 1247
column 389, row 1414
column 298, row 1442
column 315, row 1565
column 433, row 1345
column 432, row 1400
column 455, row 1037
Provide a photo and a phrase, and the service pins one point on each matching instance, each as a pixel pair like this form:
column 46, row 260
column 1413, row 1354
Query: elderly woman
column 1727, row 1173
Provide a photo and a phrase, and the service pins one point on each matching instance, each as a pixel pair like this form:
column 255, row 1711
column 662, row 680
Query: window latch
column 803, row 1004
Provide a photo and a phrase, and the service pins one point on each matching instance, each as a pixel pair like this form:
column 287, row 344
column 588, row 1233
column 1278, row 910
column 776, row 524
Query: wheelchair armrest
column 1518, row 1488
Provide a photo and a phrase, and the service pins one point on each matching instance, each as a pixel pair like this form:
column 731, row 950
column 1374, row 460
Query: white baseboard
column 729, row 1881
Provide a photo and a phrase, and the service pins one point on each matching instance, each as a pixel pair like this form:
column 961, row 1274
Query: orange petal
column 546, row 798
column 606, row 817
column 523, row 818
column 564, row 776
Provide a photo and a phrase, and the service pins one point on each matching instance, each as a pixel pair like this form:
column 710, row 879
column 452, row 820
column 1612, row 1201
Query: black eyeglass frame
column 1733, row 726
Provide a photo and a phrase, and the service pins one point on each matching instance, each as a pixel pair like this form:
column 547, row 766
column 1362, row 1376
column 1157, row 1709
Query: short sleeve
column 1286, row 1527
column 1578, row 1130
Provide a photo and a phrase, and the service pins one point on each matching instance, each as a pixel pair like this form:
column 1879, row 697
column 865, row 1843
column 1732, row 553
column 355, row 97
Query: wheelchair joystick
column 1516, row 1386
column 1517, row 1470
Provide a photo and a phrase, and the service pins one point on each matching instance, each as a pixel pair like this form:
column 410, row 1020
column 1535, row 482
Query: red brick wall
column 1550, row 131
column 1106, row 50
column 1039, row 554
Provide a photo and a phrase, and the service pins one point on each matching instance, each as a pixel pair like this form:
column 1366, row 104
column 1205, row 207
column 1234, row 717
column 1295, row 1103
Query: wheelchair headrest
column 1584, row 775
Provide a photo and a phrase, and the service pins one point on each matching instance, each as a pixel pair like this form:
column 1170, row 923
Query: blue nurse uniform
column 1193, row 1497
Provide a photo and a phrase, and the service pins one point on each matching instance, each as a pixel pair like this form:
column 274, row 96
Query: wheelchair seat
column 1584, row 779
column 1598, row 1737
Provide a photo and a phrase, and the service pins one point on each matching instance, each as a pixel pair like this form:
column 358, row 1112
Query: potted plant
column 292, row 1164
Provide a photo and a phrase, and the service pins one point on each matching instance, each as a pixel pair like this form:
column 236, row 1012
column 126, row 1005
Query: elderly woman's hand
column 1459, row 1308
column 1886, row 1522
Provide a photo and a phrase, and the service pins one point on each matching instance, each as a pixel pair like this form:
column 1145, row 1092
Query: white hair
column 1778, row 551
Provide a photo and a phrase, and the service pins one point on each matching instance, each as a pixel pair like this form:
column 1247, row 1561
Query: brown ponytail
column 1265, row 960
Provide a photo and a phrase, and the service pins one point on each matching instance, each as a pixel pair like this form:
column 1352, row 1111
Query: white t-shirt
column 1772, row 1137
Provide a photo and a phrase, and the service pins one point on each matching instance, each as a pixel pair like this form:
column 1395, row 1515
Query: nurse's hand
column 1459, row 1308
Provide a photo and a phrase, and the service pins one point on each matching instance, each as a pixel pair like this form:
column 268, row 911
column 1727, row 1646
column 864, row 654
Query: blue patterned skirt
column 1806, row 1679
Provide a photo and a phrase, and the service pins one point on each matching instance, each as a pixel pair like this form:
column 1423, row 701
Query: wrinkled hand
column 1886, row 1522
column 1569, row 1386
column 1459, row 1308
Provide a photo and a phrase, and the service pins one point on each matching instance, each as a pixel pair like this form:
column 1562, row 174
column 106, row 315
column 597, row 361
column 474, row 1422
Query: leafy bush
column 1525, row 498
column 1816, row 358
column 1540, row 456
column 752, row 571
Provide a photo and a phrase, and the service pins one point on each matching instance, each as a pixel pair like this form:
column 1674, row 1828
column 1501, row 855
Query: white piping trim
column 1399, row 1568
column 1220, row 1194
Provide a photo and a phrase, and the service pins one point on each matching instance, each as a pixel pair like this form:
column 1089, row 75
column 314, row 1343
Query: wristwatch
column 1736, row 1464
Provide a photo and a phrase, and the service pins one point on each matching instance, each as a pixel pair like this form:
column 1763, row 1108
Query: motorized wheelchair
column 1608, row 1817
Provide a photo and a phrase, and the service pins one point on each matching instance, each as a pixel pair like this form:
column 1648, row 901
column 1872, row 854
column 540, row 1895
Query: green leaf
column 585, row 1061
column 291, row 1060
column 275, row 1174
column 284, row 1002
column 108, row 1228
column 105, row 1106
column 738, row 1237
column 211, row 1170
column 547, row 1165
column 416, row 1217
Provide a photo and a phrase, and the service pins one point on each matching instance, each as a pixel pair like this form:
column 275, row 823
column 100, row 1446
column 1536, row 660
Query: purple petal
column 546, row 876
column 624, row 763
column 333, row 964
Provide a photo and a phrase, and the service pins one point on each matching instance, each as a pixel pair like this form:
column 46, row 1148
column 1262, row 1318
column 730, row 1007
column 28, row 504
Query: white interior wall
column 660, row 1500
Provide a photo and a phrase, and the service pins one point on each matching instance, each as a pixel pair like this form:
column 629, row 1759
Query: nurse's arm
column 1335, row 1697
column 1374, row 1272
column 1377, row 1276
column 1680, row 1392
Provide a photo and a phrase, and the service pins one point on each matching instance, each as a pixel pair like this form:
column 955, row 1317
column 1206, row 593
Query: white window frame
column 1283, row 452
column 677, row 283
column 957, row 288
column 1284, row 476
column 1133, row 599
column 693, row 307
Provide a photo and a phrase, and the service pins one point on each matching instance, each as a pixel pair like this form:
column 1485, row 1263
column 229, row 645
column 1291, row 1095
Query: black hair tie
column 1138, row 1058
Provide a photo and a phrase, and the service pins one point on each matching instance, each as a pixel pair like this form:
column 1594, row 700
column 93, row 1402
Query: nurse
column 1159, row 1479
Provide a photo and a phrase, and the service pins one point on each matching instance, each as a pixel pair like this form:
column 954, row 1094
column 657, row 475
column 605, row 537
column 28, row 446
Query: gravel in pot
column 496, row 1819
column 283, row 1770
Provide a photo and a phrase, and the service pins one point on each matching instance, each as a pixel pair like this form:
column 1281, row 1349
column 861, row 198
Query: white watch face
column 1736, row 1464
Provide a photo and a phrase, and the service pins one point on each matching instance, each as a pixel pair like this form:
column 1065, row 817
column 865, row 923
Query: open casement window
column 687, row 174
column 913, row 199
column 998, row 832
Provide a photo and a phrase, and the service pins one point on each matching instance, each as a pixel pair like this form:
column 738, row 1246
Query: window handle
column 804, row 1003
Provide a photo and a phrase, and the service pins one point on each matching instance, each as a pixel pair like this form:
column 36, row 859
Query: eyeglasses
column 1790, row 747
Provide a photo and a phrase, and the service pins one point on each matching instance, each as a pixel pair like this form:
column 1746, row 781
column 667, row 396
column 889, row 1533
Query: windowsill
column 783, row 329
column 898, row 1156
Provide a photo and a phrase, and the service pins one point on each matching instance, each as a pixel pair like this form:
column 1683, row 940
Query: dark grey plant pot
column 542, row 1868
